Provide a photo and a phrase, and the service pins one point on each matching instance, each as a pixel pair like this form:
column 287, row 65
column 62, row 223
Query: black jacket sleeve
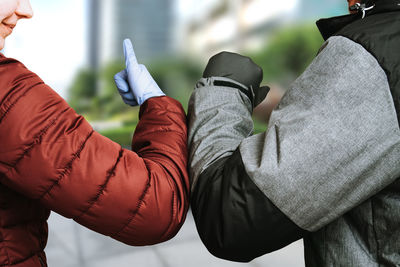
column 235, row 220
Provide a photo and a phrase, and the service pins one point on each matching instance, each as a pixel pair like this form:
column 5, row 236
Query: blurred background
column 75, row 46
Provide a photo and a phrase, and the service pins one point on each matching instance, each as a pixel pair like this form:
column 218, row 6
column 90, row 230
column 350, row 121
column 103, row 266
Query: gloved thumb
column 261, row 94
column 130, row 57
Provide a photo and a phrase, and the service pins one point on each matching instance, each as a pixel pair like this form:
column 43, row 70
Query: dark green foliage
column 121, row 135
column 176, row 77
column 288, row 53
column 96, row 94
column 108, row 96
column 83, row 90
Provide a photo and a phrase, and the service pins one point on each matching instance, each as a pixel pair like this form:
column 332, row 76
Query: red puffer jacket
column 51, row 159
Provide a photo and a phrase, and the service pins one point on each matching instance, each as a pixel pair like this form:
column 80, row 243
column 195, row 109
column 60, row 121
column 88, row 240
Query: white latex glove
column 135, row 83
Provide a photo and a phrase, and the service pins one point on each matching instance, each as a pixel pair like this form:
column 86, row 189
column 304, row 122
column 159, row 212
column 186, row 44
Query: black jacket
column 246, row 204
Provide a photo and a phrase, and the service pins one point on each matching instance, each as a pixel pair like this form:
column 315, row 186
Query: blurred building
column 236, row 25
column 93, row 32
column 148, row 23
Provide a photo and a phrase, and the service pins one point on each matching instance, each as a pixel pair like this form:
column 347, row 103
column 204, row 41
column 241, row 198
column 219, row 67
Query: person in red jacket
column 52, row 160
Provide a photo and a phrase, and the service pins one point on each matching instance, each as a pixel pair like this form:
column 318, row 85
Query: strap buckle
column 361, row 8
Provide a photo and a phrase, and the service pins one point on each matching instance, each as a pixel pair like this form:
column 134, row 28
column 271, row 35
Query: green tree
column 108, row 98
column 176, row 76
column 83, row 90
column 288, row 53
column 96, row 95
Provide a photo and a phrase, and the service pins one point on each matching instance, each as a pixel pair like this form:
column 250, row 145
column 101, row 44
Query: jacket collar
column 330, row 26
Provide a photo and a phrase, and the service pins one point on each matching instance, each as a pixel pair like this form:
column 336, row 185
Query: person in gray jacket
column 328, row 167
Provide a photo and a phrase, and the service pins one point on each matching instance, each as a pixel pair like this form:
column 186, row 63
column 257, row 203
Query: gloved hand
column 240, row 69
column 135, row 83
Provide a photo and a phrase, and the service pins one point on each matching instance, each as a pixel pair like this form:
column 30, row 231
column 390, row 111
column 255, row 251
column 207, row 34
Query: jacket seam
column 23, row 223
column 16, row 101
column 162, row 130
column 374, row 231
column 68, row 167
column 278, row 145
column 359, row 42
column 21, row 261
column 159, row 131
column 37, row 139
column 373, row 54
column 325, row 245
column 5, row 247
column 385, row 70
column 138, row 206
column 160, row 107
column 173, row 210
column 164, row 110
column 110, row 174
column 42, row 262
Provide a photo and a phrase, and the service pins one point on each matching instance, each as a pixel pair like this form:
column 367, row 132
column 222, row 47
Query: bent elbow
column 241, row 249
column 223, row 241
column 157, row 221
column 240, row 241
column 151, row 233
column 229, row 250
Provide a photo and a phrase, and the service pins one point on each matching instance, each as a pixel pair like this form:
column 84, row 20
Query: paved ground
column 71, row 245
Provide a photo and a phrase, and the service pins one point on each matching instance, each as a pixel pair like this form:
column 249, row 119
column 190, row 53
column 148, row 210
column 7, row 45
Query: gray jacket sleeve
column 333, row 142
column 219, row 120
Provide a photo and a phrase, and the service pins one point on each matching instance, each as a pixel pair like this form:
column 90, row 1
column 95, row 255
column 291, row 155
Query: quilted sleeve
column 51, row 154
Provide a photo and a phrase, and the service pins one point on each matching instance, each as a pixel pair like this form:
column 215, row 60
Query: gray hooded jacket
column 326, row 169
